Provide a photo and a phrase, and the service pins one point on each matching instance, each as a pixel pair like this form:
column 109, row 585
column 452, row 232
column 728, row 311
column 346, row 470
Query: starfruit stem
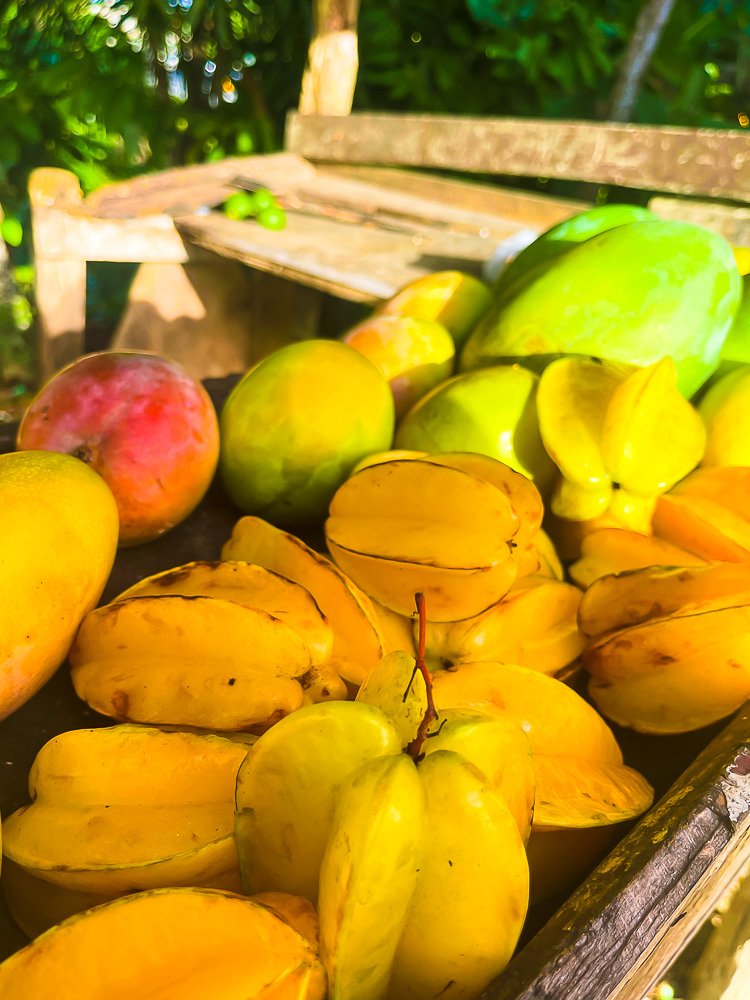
column 414, row 749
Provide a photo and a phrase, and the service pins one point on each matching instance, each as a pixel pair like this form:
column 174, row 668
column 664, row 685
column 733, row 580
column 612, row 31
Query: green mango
column 296, row 424
column 633, row 294
column 560, row 238
column 735, row 352
column 492, row 412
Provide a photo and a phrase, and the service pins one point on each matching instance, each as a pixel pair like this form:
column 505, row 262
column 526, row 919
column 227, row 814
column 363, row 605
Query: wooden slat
column 185, row 189
column 615, row 937
column 713, row 162
column 730, row 221
column 405, row 236
column 527, row 208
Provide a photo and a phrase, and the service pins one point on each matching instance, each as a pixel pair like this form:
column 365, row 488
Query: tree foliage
column 109, row 88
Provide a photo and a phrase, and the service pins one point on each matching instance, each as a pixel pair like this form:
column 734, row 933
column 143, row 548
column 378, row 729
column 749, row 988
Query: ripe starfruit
column 420, row 525
column 619, row 435
column 118, row 810
column 669, row 649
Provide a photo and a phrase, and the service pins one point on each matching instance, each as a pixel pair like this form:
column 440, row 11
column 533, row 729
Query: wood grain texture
column 619, row 932
column 713, row 162
column 730, row 221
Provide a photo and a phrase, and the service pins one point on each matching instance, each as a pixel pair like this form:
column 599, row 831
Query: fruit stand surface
column 619, row 932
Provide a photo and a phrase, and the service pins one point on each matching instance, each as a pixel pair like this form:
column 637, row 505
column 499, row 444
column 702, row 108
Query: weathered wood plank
column 525, row 207
column 618, row 933
column 731, row 221
column 181, row 190
column 361, row 263
column 372, row 239
column 713, row 162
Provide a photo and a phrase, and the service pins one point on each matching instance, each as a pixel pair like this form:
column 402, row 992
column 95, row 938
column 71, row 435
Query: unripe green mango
column 633, row 294
column 562, row 237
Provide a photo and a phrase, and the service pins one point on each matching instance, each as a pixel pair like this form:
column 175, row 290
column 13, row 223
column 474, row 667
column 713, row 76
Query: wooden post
column 331, row 74
column 60, row 277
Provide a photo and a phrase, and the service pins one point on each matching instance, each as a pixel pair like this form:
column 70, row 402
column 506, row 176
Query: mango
column 414, row 355
column 455, row 299
column 296, row 424
column 736, row 348
column 631, row 294
column 59, row 528
column 726, row 414
column 562, row 237
column 492, row 412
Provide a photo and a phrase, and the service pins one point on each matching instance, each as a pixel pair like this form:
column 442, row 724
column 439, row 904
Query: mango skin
column 59, row 527
column 560, row 238
column 296, row 424
column 491, row 411
column 632, row 294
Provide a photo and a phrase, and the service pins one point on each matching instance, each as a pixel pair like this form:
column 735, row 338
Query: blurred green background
column 113, row 88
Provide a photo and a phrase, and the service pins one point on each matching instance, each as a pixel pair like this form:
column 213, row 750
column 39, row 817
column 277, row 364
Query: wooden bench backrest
column 685, row 161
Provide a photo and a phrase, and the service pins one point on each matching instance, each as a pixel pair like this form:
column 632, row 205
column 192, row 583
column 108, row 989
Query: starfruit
column 613, row 550
column 619, row 435
column 669, row 649
column 192, row 661
column 118, row 810
column 708, row 513
column 186, row 943
column 402, row 527
column 357, row 640
column 534, row 625
column 583, row 788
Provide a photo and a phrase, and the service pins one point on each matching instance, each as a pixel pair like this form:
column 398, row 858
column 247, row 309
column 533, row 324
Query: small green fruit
column 271, row 218
column 240, row 205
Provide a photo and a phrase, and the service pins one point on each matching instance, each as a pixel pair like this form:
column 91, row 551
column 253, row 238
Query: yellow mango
column 59, row 528
column 186, row 943
column 357, row 642
column 196, row 661
column 122, row 809
column 251, row 585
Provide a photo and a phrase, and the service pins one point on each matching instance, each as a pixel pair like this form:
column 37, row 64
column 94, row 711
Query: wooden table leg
column 60, row 279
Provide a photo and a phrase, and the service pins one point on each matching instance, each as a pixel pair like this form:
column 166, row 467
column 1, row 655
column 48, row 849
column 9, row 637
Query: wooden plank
column 354, row 262
column 730, row 221
column 615, row 937
column 405, row 236
column 182, row 190
column 527, row 208
column 713, row 162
